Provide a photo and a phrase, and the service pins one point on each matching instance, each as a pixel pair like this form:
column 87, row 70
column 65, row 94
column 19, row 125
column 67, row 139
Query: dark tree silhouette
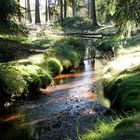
column 93, row 13
column 37, row 12
column 29, row 11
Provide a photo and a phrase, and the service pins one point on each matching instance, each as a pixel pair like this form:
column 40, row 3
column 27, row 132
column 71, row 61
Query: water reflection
column 10, row 128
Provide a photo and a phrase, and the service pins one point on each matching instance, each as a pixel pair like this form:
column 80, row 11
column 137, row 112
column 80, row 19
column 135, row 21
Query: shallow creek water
column 63, row 111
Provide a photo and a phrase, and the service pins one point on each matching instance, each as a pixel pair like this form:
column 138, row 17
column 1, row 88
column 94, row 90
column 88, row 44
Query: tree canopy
column 9, row 11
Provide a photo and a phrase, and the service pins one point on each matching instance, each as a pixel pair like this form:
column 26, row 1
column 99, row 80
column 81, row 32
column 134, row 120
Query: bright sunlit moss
column 125, row 128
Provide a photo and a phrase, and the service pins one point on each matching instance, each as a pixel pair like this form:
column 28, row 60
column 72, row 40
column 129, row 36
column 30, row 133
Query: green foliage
column 134, row 40
column 107, row 47
column 26, row 77
column 45, row 43
column 119, row 129
column 127, row 11
column 22, row 79
column 80, row 23
column 8, row 12
column 69, row 51
column 125, row 14
column 11, row 82
column 123, row 90
column 53, row 65
column 8, row 50
column 102, row 130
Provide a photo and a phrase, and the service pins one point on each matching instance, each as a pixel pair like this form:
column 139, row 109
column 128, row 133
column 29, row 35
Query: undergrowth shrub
column 8, row 51
column 69, row 51
column 53, row 65
column 12, row 83
column 80, row 23
column 134, row 40
column 25, row 77
column 18, row 80
column 35, row 76
column 107, row 47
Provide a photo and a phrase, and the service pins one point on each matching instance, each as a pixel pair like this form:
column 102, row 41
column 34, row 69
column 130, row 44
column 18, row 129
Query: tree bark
column 73, row 9
column 93, row 13
column 61, row 11
column 25, row 10
column 89, row 7
column 46, row 11
column 65, row 8
column 29, row 11
column 19, row 12
column 37, row 12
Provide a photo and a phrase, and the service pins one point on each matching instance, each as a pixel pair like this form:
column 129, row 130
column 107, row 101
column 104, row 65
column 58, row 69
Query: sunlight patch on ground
column 127, row 58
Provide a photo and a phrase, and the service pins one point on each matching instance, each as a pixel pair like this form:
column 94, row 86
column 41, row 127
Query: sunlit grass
column 37, row 59
column 102, row 130
column 124, row 128
column 121, row 78
column 126, row 59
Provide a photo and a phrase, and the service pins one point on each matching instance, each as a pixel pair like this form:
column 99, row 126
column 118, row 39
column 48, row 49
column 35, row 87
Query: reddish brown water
column 70, row 103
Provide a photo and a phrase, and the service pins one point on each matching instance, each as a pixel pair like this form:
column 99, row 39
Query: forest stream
column 64, row 111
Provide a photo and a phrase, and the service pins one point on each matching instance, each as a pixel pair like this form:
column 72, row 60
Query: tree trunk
column 37, row 12
column 29, row 11
column 25, row 10
column 49, row 10
column 61, row 11
column 65, row 8
column 46, row 11
column 89, row 7
column 73, row 9
column 19, row 12
column 93, row 13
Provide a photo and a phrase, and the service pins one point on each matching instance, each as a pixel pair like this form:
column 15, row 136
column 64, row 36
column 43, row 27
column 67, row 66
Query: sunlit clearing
column 37, row 59
column 127, row 58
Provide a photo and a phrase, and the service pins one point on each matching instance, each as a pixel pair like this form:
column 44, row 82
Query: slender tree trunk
column 37, row 12
column 19, row 12
column 89, row 7
column 46, row 11
column 65, row 8
column 73, row 9
column 29, row 11
column 49, row 10
column 93, row 13
column 58, row 2
column 61, row 11
column 25, row 10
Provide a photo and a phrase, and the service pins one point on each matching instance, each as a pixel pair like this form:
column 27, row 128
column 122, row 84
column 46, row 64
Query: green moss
column 11, row 82
column 25, row 77
column 123, row 89
column 54, row 65
column 69, row 51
